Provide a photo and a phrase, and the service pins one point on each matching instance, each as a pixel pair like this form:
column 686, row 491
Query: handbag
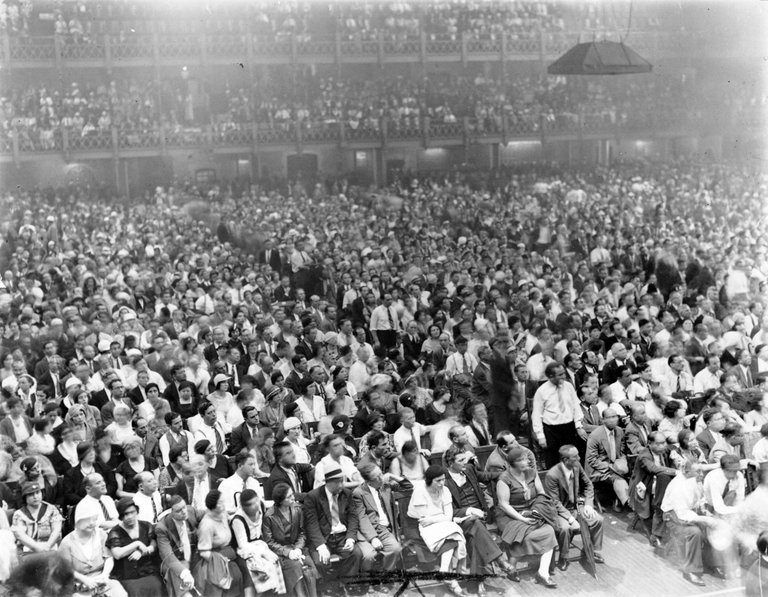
column 641, row 490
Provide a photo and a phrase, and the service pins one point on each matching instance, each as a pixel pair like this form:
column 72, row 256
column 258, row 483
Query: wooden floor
column 632, row 568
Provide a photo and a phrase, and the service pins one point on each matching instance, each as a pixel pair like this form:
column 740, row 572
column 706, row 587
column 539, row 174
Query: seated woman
column 377, row 421
column 758, row 415
column 133, row 547
column 431, row 504
column 283, row 528
column 674, row 420
column 411, row 465
column 74, row 490
column 76, row 417
column 263, row 565
column 435, row 411
column 86, row 551
column 120, row 431
column 135, row 462
column 216, row 573
column 37, row 524
column 41, row 441
column 688, row 450
column 516, row 491
column 64, row 456
column 261, row 448
column 171, row 474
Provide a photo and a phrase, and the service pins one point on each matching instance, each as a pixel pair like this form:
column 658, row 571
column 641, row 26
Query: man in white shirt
column 625, row 388
column 709, row 377
column 358, row 372
column 210, row 428
column 243, row 478
column 175, row 436
column 96, row 493
column 385, row 323
column 557, row 416
column 410, row 430
column 335, row 459
column 676, row 379
column 682, row 498
column 147, row 498
column 725, row 488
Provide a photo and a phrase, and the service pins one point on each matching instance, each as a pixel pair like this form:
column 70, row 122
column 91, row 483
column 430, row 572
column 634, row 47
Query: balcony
column 110, row 51
column 22, row 144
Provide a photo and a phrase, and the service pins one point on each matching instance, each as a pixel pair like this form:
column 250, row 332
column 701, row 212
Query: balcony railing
column 22, row 142
column 111, row 50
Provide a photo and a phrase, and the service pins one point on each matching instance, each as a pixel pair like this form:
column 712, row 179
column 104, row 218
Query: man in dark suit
column 271, row 256
column 42, row 366
column 298, row 374
column 285, row 293
column 502, row 384
column 211, row 352
column 695, row 351
column 605, row 461
column 715, row 422
column 497, row 460
column 52, row 378
column 373, row 506
column 286, row 470
column 480, row 387
column 611, row 371
column 589, row 363
column 412, row 341
column 176, row 546
column 242, row 435
column 567, row 482
column 332, row 526
column 743, row 368
column 637, row 431
column 653, row 471
column 178, row 376
column 469, row 501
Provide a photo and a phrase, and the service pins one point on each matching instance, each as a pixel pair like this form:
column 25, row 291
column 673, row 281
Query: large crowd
column 38, row 115
column 268, row 388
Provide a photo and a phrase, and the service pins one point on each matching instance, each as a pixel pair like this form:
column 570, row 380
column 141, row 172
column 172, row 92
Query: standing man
column 557, row 416
column 385, row 324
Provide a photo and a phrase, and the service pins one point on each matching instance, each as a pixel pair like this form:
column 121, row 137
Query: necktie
column 678, row 383
column 413, row 437
column 335, row 520
column 321, row 391
column 186, row 548
column 383, row 518
column 154, row 508
column 104, row 510
column 464, row 360
column 391, row 319
column 572, row 488
column 749, row 378
column 560, row 401
column 219, row 441
column 611, row 446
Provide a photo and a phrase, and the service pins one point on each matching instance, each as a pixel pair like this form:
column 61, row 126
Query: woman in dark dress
column 139, row 577
column 435, row 411
column 517, row 491
column 74, row 489
column 283, row 531
column 134, row 464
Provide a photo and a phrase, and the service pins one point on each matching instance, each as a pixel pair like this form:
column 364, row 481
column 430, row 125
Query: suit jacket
column 634, row 440
column 412, row 348
column 556, row 486
column 292, row 382
column 360, row 424
column 706, row 441
column 99, row 399
column 591, row 419
column 284, row 296
column 742, row 377
column 210, row 353
column 317, row 516
column 284, row 535
column 611, row 370
column 644, row 472
column 171, row 394
column 108, row 410
column 367, row 512
column 274, row 261
column 695, row 349
column 136, row 397
column 278, row 475
column 473, row 478
column 580, row 375
column 169, row 544
column 238, row 440
column 598, row 460
column 46, row 380
column 481, row 383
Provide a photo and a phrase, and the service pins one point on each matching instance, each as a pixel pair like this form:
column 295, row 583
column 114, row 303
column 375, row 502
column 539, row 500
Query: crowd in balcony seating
column 253, row 392
column 39, row 114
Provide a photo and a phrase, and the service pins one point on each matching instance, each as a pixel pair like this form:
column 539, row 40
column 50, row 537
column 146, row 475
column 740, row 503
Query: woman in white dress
column 431, row 504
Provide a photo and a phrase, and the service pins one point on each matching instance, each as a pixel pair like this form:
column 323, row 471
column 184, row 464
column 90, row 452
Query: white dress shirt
column 553, row 405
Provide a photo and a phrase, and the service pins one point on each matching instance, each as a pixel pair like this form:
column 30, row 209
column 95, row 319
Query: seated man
column 605, row 462
column 373, row 507
column 287, row 470
column 497, row 460
column 332, row 526
column 469, row 504
column 410, row 430
column 176, row 539
column 568, row 483
column 653, row 471
column 688, row 524
column 725, row 487
column 637, row 431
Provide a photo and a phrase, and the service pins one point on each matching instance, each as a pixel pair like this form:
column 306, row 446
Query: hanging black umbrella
column 600, row 58
column 588, row 560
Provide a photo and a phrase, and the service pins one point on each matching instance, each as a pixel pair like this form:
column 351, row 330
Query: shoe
column 547, row 582
column 693, row 579
column 599, row 559
column 617, row 507
column 513, row 575
column 718, row 573
column 562, row 565
column 481, row 592
column 453, row 587
column 655, row 542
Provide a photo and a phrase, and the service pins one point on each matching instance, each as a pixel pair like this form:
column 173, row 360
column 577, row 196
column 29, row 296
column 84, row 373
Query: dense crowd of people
column 88, row 22
column 292, row 383
column 40, row 114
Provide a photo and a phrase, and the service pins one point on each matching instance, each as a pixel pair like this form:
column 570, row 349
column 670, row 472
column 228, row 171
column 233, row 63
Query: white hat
column 219, row 378
column 103, row 346
column 291, row 423
column 72, row 382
